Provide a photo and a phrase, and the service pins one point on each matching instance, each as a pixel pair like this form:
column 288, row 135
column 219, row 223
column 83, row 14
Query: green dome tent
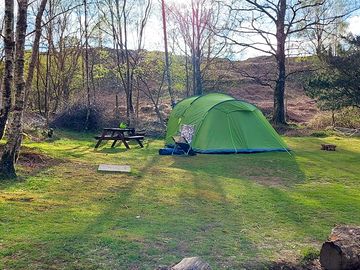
column 224, row 125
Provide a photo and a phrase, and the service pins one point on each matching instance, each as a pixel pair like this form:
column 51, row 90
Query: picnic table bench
column 123, row 135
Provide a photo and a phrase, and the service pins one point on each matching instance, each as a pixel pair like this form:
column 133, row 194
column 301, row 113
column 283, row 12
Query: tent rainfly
column 224, row 124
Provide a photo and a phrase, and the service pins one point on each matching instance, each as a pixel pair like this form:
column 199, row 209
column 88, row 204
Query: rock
column 191, row 263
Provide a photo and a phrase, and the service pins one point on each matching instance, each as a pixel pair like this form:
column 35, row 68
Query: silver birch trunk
column 9, row 65
column 12, row 147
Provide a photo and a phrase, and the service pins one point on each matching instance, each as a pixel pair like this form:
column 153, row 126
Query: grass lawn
column 235, row 211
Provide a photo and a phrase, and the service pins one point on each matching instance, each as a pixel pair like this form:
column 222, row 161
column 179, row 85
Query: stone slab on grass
column 114, row 168
column 191, row 263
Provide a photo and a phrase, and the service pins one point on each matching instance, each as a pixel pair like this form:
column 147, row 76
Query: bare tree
column 9, row 64
column 56, row 76
column 12, row 146
column 265, row 26
column 167, row 63
column 196, row 24
column 2, row 54
column 325, row 33
column 127, row 19
column 150, row 81
column 86, row 64
column 35, row 49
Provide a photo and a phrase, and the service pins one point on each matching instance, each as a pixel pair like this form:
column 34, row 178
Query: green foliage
column 319, row 134
column 322, row 88
column 100, row 69
column 309, row 254
column 225, row 208
column 337, row 84
column 123, row 125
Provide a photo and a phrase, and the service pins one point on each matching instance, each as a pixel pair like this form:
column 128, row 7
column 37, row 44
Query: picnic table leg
column 126, row 144
column 113, row 135
column 101, row 139
column 98, row 143
column 113, row 144
column 140, row 143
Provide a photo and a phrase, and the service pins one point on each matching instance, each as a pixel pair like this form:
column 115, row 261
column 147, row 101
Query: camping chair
column 184, row 140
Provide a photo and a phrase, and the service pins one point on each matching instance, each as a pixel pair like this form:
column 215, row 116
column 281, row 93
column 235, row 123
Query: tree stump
column 191, row 263
column 328, row 147
column 342, row 250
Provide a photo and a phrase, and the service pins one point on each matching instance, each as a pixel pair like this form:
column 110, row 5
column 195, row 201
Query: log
column 328, row 147
column 342, row 250
column 191, row 263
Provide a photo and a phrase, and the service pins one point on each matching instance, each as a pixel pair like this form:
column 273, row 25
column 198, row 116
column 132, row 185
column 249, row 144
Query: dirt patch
column 280, row 265
column 19, row 199
column 32, row 162
column 283, row 265
column 269, row 181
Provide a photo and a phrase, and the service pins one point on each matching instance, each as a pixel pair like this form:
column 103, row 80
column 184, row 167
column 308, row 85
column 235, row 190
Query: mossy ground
column 235, row 211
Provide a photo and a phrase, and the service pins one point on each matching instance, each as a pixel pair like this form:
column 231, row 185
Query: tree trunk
column 86, row 60
column 192, row 50
column 159, row 115
column 196, row 28
column 12, row 147
column 130, row 110
column 193, row 71
column 9, row 64
column 198, row 79
column 167, row 64
column 187, row 73
column 47, row 83
column 342, row 250
column 279, row 106
column 35, row 50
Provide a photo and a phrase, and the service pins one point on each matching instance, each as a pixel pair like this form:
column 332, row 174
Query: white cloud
column 354, row 24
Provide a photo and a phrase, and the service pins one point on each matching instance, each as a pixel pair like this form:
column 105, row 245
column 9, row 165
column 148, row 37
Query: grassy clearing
column 234, row 210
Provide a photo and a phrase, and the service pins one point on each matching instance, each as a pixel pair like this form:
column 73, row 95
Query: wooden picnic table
column 119, row 134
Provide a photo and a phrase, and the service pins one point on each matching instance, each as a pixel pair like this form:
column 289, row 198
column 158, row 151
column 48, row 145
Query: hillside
column 233, row 78
column 239, row 81
column 251, row 80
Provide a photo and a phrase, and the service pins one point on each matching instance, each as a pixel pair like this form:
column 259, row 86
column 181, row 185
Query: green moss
column 230, row 209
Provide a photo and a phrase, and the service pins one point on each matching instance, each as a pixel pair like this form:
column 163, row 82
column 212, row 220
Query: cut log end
column 342, row 250
column 330, row 256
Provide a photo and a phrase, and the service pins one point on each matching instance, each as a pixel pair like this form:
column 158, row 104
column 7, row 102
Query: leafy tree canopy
column 337, row 84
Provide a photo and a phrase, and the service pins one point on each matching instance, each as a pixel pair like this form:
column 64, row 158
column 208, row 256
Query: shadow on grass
column 119, row 213
column 264, row 207
column 228, row 209
column 29, row 164
column 105, row 147
column 269, row 169
column 111, row 150
column 74, row 135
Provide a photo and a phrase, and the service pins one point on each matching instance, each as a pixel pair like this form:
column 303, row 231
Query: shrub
column 319, row 134
column 74, row 118
column 347, row 117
